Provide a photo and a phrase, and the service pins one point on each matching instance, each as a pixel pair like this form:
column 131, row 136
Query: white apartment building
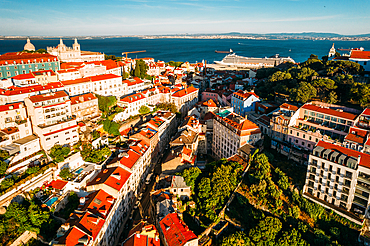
column 230, row 132
column 314, row 122
column 68, row 74
column 136, row 85
column 52, row 120
column 18, row 94
column 105, row 85
column 164, row 122
column 85, row 106
column 16, row 132
column 339, row 179
column 185, row 99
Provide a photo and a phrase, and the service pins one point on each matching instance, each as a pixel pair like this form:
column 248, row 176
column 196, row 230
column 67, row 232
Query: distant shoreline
column 216, row 36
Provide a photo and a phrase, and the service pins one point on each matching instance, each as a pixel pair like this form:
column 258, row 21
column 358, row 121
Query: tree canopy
column 144, row 110
column 58, row 152
column 315, row 79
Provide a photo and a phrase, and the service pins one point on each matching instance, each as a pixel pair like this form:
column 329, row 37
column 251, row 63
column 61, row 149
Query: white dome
column 29, row 46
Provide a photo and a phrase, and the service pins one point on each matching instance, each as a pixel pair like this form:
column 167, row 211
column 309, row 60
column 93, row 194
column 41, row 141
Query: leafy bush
column 65, row 173
column 58, row 152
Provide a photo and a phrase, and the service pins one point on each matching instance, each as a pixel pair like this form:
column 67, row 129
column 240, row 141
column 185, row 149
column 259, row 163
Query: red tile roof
column 184, row 92
column 175, row 231
column 133, row 98
column 356, row 135
column 289, row 106
column 156, row 121
column 99, row 202
column 24, row 76
column 141, row 240
column 10, row 106
column 82, row 98
column 366, row 112
column 245, row 95
column 48, row 96
column 57, row 184
column 25, row 58
column 33, row 88
column 130, row 159
column 90, row 79
column 89, row 224
column 364, row 160
column 114, row 177
column 330, row 111
column 209, row 103
column 135, row 82
column 360, row 54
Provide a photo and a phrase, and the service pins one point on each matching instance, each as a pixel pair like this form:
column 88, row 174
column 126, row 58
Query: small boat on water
column 224, row 51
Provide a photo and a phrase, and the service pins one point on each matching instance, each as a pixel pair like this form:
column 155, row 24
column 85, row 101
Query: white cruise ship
column 234, row 60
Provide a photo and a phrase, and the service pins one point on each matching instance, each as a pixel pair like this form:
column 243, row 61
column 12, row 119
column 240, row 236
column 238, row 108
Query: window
column 338, row 171
column 337, row 179
column 56, row 136
column 47, row 139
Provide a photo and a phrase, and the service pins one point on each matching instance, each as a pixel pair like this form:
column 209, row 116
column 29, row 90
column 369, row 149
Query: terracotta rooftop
column 114, row 177
column 29, row 89
column 10, row 106
column 175, row 231
column 360, row 54
column 25, row 58
column 330, row 111
column 82, row 98
column 48, row 96
column 364, row 160
column 99, row 202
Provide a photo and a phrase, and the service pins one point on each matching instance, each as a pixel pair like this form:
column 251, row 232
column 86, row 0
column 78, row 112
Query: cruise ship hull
column 233, row 60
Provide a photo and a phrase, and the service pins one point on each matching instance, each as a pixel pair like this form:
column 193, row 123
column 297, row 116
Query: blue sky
column 136, row 17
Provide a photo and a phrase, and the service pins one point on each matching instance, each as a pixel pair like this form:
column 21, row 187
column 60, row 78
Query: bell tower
column 76, row 46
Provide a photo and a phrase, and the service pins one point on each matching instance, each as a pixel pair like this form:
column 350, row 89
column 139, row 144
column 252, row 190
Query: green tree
column 58, row 152
column 238, row 238
column 144, row 110
column 65, row 173
column 280, row 76
column 111, row 127
column 266, row 230
column 304, row 92
column 105, row 103
column 360, row 93
column 291, row 238
column 332, row 98
column 321, row 238
column 323, row 87
column 302, row 226
column 6, row 183
column 95, row 134
column 4, row 154
column 190, row 175
column 37, row 217
column 3, row 167
column 168, row 107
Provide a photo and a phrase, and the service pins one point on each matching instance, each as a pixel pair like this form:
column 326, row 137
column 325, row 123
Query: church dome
column 29, row 46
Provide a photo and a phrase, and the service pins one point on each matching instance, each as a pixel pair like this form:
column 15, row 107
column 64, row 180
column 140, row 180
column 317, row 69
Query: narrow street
column 144, row 211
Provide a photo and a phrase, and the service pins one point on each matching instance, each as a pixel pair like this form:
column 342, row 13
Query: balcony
column 359, row 201
column 363, row 187
column 363, row 178
column 68, row 118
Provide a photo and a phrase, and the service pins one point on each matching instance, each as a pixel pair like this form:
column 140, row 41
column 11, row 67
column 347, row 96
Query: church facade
column 74, row 53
